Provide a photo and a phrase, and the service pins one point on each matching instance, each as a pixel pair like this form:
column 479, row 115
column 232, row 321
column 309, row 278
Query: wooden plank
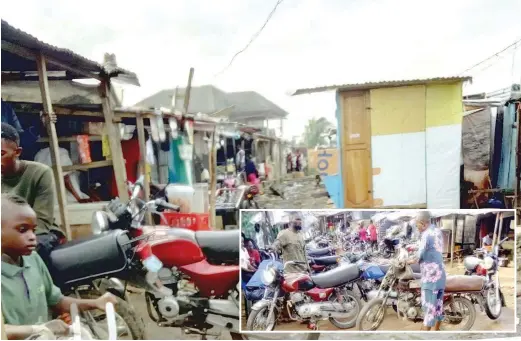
column 115, row 143
column 54, row 148
column 140, row 126
column 92, row 138
column 85, row 166
column 35, row 55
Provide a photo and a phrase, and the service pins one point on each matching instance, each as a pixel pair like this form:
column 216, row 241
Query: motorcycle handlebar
column 166, row 205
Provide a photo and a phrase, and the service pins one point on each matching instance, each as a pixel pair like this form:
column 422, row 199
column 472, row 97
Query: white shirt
column 487, row 241
column 260, row 240
column 245, row 259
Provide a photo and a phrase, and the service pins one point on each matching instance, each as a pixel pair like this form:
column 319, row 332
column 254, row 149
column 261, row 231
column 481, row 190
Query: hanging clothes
column 9, row 117
column 131, row 156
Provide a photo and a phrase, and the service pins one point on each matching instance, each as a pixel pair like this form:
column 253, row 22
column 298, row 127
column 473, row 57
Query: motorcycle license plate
column 153, row 264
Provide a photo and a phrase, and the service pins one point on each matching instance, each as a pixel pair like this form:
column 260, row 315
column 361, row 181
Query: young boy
column 27, row 287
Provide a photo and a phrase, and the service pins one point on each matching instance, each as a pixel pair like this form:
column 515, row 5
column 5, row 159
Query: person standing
column 433, row 275
column 253, row 253
column 362, row 233
column 290, row 243
column 259, row 236
column 240, row 159
column 373, row 235
column 248, row 270
column 34, row 182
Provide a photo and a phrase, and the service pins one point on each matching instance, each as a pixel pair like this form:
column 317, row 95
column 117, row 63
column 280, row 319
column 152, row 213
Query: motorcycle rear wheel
column 466, row 303
column 351, row 323
column 123, row 309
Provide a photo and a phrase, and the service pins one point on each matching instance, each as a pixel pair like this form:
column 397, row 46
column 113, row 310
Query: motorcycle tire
column 135, row 323
column 299, row 336
column 488, row 310
column 470, row 307
column 253, row 315
column 365, row 309
column 352, row 323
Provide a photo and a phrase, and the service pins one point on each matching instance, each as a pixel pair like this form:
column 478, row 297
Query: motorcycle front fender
column 114, row 286
column 261, row 304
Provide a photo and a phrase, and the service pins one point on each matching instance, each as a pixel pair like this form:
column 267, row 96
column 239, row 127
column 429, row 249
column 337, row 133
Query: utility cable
column 252, row 39
column 494, row 55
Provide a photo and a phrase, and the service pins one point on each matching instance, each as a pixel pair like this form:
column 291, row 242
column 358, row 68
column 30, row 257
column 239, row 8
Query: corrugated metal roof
column 380, row 84
column 250, row 104
column 13, row 62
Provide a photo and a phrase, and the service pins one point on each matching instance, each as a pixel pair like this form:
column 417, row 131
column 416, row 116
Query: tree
column 313, row 133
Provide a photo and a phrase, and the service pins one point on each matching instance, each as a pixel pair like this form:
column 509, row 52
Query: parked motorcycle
column 326, row 251
column 196, row 274
column 401, row 287
column 486, row 264
column 324, row 263
column 91, row 266
column 306, row 298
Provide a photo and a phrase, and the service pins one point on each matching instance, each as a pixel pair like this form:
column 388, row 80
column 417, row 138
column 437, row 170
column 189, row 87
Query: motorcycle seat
column 460, row 283
column 318, row 252
column 340, row 275
column 88, row 257
column 326, row 260
column 219, row 246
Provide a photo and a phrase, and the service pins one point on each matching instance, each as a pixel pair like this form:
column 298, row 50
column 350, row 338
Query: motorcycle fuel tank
column 175, row 247
column 297, row 282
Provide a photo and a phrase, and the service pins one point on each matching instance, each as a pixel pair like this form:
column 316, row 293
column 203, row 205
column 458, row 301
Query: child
column 27, row 288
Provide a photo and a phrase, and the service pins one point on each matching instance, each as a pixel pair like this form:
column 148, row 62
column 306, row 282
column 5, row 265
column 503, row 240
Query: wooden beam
column 140, row 126
column 212, row 165
column 188, row 90
column 54, row 148
column 33, row 55
column 113, row 133
column 85, row 166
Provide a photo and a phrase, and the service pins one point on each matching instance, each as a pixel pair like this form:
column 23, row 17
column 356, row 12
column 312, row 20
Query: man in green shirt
column 27, row 287
column 34, row 182
column 291, row 243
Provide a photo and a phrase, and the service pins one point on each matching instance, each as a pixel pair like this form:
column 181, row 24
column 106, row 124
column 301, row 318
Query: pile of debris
column 291, row 193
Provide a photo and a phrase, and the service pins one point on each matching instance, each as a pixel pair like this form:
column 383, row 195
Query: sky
column 307, row 43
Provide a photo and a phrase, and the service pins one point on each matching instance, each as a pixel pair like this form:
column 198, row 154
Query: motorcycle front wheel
column 258, row 320
column 493, row 303
column 130, row 326
column 373, row 312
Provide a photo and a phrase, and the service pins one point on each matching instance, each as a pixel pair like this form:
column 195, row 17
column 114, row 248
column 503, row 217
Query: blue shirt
column 431, row 259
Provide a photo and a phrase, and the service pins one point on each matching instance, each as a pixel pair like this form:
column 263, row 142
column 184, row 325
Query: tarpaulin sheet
column 255, row 281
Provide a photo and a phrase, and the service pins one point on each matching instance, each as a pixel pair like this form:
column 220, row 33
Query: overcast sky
column 307, row 43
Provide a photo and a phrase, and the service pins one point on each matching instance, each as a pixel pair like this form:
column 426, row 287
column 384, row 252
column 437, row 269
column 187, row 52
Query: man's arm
column 44, row 202
column 14, row 332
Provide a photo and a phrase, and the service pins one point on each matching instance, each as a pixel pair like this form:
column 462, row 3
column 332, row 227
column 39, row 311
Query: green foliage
column 314, row 130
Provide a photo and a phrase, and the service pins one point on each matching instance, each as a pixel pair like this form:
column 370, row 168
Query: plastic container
column 191, row 221
column 200, row 203
column 181, row 195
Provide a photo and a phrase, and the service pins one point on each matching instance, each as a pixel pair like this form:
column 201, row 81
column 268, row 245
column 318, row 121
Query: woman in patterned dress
column 433, row 276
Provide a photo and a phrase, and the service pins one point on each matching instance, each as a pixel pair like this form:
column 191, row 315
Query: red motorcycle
column 306, row 298
column 195, row 282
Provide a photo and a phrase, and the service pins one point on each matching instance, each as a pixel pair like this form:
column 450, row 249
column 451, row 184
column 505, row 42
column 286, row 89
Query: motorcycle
column 249, row 201
column 324, row 263
column 208, row 259
column 401, row 289
column 89, row 267
column 486, row 264
column 306, row 298
column 326, row 251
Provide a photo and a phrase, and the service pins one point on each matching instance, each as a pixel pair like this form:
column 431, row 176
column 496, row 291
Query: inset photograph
column 392, row 270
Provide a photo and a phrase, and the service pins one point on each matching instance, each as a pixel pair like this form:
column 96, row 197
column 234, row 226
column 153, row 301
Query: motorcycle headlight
column 268, row 276
column 488, row 263
column 100, row 222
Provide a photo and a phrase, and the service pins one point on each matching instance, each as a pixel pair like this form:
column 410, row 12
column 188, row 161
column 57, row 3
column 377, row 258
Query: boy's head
column 18, row 237
column 10, row 149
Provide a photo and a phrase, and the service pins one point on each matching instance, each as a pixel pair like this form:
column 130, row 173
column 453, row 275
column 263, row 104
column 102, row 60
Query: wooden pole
column 140, row 126
column 188, row 90
column 114, row 137
column 452, row 239
column 53, row 144
column 212, row 164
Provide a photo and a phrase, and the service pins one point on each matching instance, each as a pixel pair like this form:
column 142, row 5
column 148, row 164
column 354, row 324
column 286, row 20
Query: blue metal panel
column 338, row 182
column 506, row 177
